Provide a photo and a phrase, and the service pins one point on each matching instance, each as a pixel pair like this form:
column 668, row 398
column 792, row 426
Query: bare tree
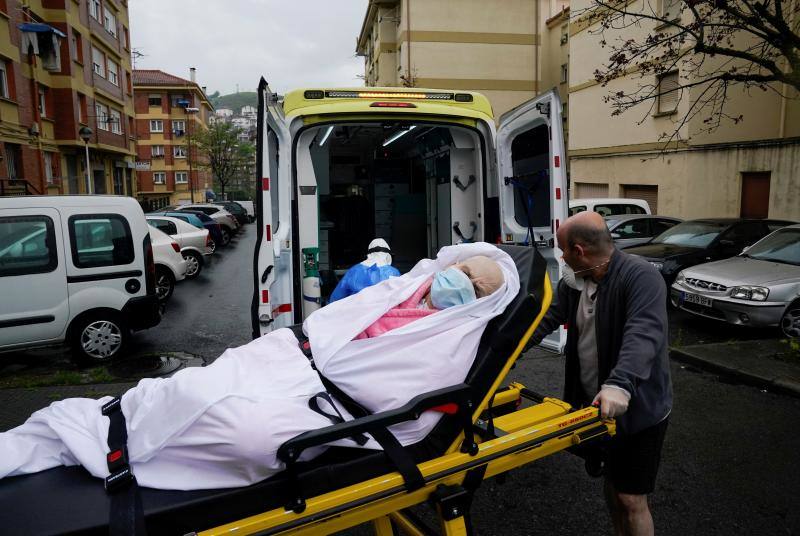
column 714, row 47
column 223, row 152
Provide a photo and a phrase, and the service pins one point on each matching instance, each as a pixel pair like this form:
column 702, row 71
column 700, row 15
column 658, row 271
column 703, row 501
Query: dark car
column 196, row 218
column 236, row 209
column 697, row 241
column 630, row 230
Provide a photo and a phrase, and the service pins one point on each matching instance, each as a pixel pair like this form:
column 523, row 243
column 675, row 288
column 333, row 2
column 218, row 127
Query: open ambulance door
column 272, row 263
column 533, row 183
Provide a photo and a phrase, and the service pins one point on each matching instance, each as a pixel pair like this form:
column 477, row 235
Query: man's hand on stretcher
column 612, row 401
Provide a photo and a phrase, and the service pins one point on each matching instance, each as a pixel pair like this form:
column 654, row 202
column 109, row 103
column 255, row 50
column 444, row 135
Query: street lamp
column 86, row 134
column 188, row 111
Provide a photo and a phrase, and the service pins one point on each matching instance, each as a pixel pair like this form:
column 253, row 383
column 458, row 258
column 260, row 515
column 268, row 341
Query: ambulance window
column 273, row 165
column 530, row 158
column 27, row 245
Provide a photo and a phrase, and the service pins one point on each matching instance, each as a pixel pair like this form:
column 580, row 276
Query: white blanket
column 220, row 426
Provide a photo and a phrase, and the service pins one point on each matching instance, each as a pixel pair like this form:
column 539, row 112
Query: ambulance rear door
column 533, row 183
column 272, row 303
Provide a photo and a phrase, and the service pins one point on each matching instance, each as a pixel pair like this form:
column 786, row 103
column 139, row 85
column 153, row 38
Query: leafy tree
column 716, row 46
column 222, row 152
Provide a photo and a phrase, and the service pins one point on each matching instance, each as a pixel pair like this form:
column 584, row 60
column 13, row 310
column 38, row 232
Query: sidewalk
column 769, row 364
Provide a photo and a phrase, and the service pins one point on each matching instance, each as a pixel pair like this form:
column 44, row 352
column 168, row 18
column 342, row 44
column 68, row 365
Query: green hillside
column 234, row 101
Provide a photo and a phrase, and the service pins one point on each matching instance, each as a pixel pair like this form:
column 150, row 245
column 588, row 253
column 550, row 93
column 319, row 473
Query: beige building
column 746, row 169
column 169, row 111
column 503, row 48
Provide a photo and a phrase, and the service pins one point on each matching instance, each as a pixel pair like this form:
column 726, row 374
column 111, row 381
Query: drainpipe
column 408, row 38
column 536, row 49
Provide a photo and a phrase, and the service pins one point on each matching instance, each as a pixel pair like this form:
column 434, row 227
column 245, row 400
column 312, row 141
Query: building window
column 43, row 101
column 12, row 160
column 159, row 177
column 670, row 9
column 156, row 125
column 4, row 80
column 128, row 82
column 98, row 62
column 131, row 126
column 125, row 38
column 179, row 128
column 180, row 101
column 181, row 177
column 94, row 9
column 82, row 110
column 157, row 151
column 179, row 151
column 48, row 167
column 668, row 93
column 101, row 113
column 77, row 47
column 113, row 72
column 564, row 73
column 116, row 122
column 110, row 22
column 154, row 100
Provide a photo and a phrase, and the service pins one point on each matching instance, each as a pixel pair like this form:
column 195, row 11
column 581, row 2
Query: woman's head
column 465, row 282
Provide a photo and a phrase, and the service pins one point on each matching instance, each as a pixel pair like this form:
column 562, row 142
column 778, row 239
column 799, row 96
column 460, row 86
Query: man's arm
column 645, row 330
column 556, row 315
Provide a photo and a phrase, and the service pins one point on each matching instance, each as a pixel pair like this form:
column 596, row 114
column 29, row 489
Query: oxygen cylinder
column 312, row 289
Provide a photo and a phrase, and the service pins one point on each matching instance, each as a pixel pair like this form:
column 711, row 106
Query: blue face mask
column 451, row 287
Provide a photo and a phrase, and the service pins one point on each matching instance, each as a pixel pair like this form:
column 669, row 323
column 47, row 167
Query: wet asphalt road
column 730, row 463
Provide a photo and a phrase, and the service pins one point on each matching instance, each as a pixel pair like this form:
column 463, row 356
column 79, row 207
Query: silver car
column 759, row 287
column 634, row 229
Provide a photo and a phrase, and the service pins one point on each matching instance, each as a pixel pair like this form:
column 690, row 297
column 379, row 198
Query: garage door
column 642, row 191
column 587, row 190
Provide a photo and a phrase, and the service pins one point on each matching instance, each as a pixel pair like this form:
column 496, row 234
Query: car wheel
column 165, row 283
column 226, row 237
column 98, row 338
column 790, row 323
column 212, row 246
column 194, row 264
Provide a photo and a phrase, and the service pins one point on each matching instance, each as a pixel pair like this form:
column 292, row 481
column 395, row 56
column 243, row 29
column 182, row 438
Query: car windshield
column 693, row 234
column 781, row 246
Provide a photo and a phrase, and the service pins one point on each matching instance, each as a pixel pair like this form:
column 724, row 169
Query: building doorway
column 72, row 174
column 99, row 176
column 642, row 191
column 755, row 194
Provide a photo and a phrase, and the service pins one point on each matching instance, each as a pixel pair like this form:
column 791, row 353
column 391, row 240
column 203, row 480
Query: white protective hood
column 220, row 426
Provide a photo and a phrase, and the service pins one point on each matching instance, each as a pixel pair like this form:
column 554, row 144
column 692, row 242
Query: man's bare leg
column 630, row 513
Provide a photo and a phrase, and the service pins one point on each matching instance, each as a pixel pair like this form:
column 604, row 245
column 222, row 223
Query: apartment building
column 169, row 111
column 500, row 48
column 65, row 78
column 747, row 169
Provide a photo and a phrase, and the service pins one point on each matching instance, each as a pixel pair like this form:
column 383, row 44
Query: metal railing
column 17, row 187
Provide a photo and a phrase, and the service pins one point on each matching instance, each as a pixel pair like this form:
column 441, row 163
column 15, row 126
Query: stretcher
column 485, row 431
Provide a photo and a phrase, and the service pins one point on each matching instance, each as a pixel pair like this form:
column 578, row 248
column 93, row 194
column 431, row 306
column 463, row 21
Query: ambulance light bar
column 405, row 95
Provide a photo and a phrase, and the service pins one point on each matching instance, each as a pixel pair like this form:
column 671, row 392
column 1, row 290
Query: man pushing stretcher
column 221, row 426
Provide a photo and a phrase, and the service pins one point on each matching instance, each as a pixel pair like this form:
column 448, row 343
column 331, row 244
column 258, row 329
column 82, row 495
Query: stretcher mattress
column 67, row 500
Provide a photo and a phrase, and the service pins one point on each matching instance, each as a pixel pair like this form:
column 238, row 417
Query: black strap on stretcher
column 126, row 514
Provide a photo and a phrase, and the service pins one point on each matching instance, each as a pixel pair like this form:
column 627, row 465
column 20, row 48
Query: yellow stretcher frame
column 524, row 435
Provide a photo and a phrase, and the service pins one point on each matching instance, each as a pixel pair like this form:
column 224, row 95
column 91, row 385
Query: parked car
column 697, row 241
column 227, row 222
column 634, row 229
column 195, row 243
column 76, row 269
column 198, row 219
column 170, row 264
column 250, row 209
column 236, row 209
column 759, row 287
column 609, row 206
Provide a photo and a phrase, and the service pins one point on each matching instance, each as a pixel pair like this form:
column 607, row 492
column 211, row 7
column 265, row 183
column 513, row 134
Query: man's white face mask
column 571, row 278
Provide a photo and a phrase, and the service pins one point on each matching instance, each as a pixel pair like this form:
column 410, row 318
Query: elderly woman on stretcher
column 221, row 426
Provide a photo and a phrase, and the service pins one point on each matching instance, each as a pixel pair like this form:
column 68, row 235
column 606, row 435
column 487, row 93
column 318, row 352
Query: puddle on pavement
column 153, row 365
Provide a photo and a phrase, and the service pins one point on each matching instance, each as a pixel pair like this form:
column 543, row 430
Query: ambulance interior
column 419, row 186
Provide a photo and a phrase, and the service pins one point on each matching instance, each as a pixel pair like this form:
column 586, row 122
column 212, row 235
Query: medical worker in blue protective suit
column 374, row 269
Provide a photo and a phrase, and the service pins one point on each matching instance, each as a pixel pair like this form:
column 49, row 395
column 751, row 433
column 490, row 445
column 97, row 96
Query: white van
column 75, row 268
column 420, row 168
column 609, row 206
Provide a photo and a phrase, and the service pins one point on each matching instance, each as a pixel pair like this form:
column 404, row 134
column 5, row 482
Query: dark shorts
column 632, row 460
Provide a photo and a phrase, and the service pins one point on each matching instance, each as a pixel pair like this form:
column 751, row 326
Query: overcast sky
column 291, row 43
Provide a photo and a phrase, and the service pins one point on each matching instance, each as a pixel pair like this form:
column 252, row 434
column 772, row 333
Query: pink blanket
column 400, row 315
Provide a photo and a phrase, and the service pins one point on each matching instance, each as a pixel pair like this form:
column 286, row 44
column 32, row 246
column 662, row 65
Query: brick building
column 169, row 111
column 64, row 68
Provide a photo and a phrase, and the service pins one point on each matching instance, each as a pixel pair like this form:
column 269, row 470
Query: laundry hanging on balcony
column 43, row 41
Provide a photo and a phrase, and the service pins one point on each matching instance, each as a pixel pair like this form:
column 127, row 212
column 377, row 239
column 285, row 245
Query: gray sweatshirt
column 631, row 333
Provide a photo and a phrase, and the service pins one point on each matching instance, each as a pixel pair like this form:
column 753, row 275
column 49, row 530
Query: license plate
column 695, row 298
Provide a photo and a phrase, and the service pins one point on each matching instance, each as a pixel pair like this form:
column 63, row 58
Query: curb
column 775, row 385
